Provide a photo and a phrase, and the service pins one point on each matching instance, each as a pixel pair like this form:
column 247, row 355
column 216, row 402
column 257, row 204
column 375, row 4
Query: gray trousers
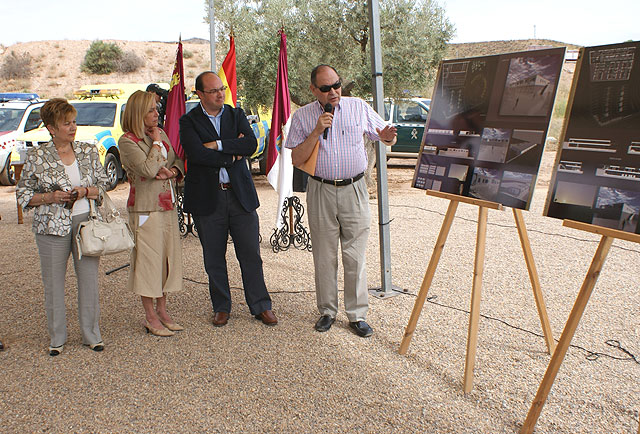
column 54, row 254
column 340, row 215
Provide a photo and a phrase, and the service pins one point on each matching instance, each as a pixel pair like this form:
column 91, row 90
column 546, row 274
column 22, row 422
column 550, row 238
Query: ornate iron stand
column 292, row 233
column 185, row 224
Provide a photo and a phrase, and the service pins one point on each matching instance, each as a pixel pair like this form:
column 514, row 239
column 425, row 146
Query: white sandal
column 97, row 347
column 55, row 351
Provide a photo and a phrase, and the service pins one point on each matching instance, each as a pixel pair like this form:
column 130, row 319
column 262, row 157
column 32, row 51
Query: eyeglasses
column 327, row 87
column 216, row 90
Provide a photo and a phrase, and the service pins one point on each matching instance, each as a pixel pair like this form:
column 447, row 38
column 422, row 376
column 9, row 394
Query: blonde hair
column 56, row 111
column 137, row 107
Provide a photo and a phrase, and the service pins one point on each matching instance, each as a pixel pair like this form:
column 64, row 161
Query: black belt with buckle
column 339, row 182
column 225, row 186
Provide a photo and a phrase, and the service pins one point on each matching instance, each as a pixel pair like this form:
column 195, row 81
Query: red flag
column 175, row 104
column 279, row 167
column 227, row 74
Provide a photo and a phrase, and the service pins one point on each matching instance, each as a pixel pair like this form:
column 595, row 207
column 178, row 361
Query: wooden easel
column 474, row 316
column 579, row 306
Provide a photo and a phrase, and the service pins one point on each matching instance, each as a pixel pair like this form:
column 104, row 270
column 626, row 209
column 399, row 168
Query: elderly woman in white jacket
column 57, row 180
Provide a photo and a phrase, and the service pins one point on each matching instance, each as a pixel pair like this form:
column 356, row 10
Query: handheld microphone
column 328, row 108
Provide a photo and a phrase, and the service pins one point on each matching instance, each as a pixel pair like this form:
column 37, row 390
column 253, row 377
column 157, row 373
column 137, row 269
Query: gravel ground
column 246, row 377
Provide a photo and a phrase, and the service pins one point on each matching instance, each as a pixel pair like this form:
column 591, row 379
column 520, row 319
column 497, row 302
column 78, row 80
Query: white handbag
column 111, row 235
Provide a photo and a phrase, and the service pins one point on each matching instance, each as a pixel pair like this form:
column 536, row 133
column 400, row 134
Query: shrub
column 186, row 54
column 19, row 85
column 101, row 58
column 16, row 66
column 129, row 62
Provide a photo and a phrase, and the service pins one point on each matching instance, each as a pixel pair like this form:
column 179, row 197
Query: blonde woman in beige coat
column 153, row 169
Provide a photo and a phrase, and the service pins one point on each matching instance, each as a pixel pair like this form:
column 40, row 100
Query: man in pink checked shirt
column 337, row 197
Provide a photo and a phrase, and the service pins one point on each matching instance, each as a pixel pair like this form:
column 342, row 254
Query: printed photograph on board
column 529, row 90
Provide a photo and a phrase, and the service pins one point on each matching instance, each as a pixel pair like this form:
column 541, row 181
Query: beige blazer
column 142, row 161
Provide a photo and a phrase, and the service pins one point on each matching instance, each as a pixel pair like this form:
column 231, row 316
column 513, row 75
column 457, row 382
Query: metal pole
column 381, row 157
column 212, row 36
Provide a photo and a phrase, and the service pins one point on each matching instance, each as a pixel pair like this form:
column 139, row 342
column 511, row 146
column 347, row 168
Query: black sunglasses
column 327, row 87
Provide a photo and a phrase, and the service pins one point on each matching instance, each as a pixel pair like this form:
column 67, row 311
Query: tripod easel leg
column 567, row 334
column 476, row 291
column 535, row 281
column 428, row 276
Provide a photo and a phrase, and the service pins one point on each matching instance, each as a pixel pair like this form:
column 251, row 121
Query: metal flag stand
column 185, row 223
column 292, row 232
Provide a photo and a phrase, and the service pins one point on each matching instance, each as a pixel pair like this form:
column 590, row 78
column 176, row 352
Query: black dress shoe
column 1, row 346
column 361, row 328
column 324, row 323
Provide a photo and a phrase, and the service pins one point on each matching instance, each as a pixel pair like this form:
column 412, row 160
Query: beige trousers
column 340, row 215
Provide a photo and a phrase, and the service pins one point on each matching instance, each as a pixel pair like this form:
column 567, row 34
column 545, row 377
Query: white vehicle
column 19, row 113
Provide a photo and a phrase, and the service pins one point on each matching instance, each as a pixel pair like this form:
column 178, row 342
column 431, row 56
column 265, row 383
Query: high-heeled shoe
column 163, row 332
column 174, row 327
column 55, row 351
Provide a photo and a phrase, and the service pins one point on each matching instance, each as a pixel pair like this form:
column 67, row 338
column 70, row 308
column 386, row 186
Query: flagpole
column 175, row 110
column 387, row 289
column 288, row 232
column 212, row 36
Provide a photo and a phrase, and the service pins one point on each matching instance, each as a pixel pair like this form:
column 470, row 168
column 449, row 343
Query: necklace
column 65, row 152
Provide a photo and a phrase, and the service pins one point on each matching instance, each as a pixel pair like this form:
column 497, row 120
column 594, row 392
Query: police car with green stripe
column 409, row 116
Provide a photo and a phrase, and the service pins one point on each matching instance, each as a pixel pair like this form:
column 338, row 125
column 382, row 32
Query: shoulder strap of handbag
column 110, row 210
column 93, row 213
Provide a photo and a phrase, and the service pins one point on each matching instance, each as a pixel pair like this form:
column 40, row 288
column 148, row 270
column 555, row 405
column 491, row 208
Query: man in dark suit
column 220, row 194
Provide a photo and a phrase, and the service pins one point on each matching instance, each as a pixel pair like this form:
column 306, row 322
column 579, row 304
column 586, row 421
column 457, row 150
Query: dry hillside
column 473, row 49
column 56, row 64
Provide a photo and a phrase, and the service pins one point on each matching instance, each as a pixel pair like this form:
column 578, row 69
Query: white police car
column 19, row 113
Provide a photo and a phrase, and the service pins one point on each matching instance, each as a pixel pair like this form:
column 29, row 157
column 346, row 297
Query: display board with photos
column 596, row 176
column 487, row 126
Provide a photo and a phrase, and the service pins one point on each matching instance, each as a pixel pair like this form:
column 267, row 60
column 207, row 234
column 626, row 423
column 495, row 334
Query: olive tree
column 414, row 34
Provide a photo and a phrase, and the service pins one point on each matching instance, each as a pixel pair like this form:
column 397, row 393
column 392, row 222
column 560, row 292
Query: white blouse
column 80, row 206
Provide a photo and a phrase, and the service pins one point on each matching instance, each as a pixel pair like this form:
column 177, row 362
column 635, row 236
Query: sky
column 580, row 22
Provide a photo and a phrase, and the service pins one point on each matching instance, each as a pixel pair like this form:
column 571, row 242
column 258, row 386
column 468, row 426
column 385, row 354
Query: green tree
column 101, row 58
column 414, row 34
